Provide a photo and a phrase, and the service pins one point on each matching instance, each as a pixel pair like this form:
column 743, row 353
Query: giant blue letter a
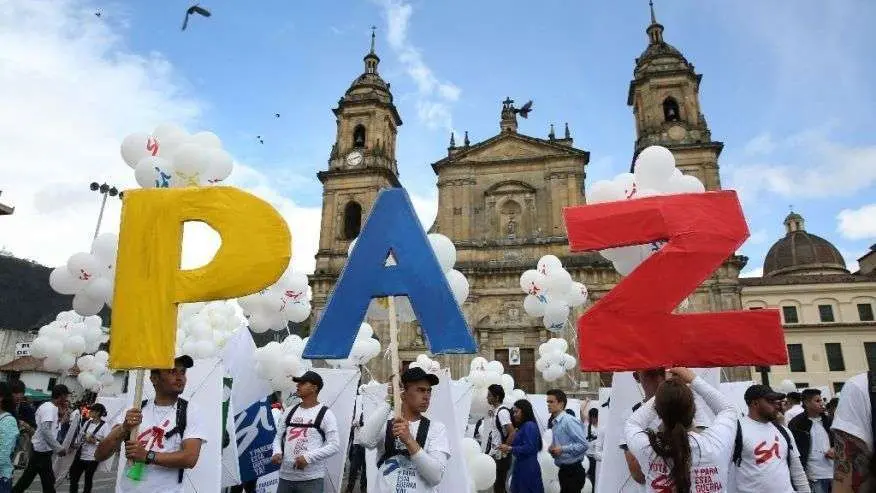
column 392, row 227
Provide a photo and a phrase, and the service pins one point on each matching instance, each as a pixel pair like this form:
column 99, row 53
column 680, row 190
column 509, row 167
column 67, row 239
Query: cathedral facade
column 500, row 201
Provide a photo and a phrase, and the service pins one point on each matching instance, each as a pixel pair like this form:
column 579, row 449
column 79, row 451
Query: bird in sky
column 276, row 115
column 194, row 9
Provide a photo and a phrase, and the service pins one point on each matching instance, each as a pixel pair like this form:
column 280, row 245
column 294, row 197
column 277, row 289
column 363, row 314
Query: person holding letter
column 412, row 450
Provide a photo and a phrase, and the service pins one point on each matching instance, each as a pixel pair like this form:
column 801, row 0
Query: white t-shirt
column 307, row 442
column 98, row 431
column 492, row 437
column 400, row 474
column 157, row 421
column 764, row 464
column 793, row 412
column 48, row 411
column 818, row 466
column 854, row 415
column 710, row 449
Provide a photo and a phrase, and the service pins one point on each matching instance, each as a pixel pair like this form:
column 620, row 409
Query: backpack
column 316, row 424
column 737, row 445
column 182, row 407
column 389, row 442
column 85, row 430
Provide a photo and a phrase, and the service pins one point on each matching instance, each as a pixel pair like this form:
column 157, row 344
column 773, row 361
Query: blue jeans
column 311, row 486
column 821, row 485
column 5, row 485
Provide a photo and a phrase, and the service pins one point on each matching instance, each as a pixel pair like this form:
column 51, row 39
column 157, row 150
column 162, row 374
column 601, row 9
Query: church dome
column 800, row 252
column 369, row 86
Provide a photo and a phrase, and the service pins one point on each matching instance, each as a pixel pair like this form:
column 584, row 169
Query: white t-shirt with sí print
column 307, row 442
column 710, row 449
column 157, row 421
column 764, row 465
column 853, row 414
column 420, row 473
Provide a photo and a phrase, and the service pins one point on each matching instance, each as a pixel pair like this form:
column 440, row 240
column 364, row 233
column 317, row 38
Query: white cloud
column 756, row 272
column 757, row 237
column 71, row 92
column 762, row 144
column 434, row 96
column 858, row 224
column 806, row 165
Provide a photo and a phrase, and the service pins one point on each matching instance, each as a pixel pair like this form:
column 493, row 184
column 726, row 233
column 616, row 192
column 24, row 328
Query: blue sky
column 789, row 92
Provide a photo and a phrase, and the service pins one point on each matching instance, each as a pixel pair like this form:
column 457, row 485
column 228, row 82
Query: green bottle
column 135, row 471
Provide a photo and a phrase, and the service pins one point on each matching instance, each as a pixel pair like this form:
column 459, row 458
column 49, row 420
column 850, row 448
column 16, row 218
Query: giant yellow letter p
column 255, row 251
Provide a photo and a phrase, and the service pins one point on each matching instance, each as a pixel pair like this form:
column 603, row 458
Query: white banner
column 204, row 389
column 339, row 394
column 614, row 477
column 115, row 407
column 443, row 409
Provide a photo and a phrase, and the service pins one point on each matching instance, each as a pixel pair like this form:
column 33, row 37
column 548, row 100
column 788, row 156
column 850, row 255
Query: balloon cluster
column 93, row 372
column 549, row 470
column 426, row 363
column 445, row 251
column 551, row 293
column 553, row 362
column 365, row 348
column 275, row 306
column 278, row 363
column 654, row 173
column 482, row 374
column 787, row 386
column 66, row 338
column 481, row 467
column 203, row 328
column 89, row 276
column 170, row 157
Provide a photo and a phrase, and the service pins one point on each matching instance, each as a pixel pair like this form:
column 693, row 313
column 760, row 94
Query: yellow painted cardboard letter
column 255, row 251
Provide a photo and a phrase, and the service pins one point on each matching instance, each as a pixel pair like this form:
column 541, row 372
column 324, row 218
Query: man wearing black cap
column 45, row 443
column 306, row 438
column 765, row 455
column 412, row 451
column 170, row 432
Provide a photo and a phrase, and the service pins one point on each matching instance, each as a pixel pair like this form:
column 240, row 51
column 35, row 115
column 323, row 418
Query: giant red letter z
column 633, row 326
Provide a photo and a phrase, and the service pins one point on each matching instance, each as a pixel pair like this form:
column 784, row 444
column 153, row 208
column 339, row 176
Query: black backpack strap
column 102, row 422
column 502, row 433
column 318, row 422
column 423, row 432
column 388, row 445
column 182, row 411
column 737, row 445
column 288, row 423
column 788, row 440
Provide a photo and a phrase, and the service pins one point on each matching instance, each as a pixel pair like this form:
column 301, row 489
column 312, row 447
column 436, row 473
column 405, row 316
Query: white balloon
column 88, row 380
column 74, row 345
column 107, row 379
column 166, row 130
column 470, row 448
column 220, row 165
column 86, row 362
column 99, row 289
column 62, row 282
column 83, row 266
column 206, row 139
column 105, row 247
column 495, row 367
column 483, row 471
column 654, row 167
column 548, row 263
column 154, row 172
column 66, row 361
column 85, row 305
column 533, row 306
column 458, row 285
column 137, row 146
column 507, row 383
column 559, row 282
column 38, row 347
column 605, row 191
column 444, row 249
column 627, row 183
column 557, row 311
column 102, row 357
column 690, row 184
column 577, row 295
column 532, row 282
column 190, row 166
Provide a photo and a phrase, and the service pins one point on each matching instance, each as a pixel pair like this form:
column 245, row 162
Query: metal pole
column 100, row 215
column 764, row 374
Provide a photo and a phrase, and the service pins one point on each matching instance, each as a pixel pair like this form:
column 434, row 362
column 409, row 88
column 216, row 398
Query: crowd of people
column 784, row 443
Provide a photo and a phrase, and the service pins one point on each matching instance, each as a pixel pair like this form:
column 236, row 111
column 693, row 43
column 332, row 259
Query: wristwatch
column 150, row 457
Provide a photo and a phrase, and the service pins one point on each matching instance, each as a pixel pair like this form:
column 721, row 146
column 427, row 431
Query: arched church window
column 670, row 110
column 359, row 136
column 352, row 220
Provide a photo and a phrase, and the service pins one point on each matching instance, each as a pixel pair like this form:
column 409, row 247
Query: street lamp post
column 106, row 191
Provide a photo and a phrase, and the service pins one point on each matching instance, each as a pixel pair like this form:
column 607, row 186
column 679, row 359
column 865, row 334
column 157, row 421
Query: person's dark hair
column 570, row 412
column 527, row 415
column 794, row 397
column 60, row 390
column 497, row 391
column 17, row 387
column 593, row 413
column 808, row 394
column 674, row 403
column 98, row 408
column 7, row 402
column 559, row 395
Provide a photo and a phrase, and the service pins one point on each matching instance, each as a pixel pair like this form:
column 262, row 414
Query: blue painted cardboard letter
column 393, row 227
